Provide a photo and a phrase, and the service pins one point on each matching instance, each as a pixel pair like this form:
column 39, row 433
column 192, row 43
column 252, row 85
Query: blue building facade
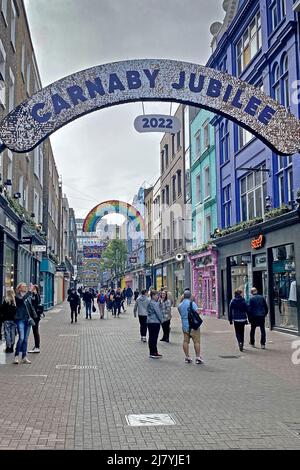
column 259, row 44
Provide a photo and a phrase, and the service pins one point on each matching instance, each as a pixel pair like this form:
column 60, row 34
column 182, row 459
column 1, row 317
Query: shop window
column 253, row 188
column 241, row 274
column 284, row 286
column 249, row 44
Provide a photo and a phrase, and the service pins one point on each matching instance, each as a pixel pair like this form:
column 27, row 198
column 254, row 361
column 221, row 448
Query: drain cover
column 150, row 420
column 229, row 357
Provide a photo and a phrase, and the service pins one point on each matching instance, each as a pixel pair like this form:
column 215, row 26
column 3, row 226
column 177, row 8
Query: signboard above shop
column 157, row 123
column 39, row 248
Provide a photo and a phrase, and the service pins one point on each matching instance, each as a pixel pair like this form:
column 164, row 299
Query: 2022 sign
column 157, row 123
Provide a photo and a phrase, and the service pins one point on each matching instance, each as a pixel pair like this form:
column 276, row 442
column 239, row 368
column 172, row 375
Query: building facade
column 259, row 43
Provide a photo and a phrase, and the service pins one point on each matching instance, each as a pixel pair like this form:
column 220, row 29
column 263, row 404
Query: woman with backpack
column 238, row 309
column 101, row 303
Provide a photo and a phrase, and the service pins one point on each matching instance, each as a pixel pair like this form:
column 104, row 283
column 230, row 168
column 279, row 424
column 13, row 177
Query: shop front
column 266, row 256
column 47, row 271
column 10, row 232
column 205, row 285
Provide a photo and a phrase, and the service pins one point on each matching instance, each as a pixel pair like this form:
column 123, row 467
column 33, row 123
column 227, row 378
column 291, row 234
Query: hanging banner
column 157, row 123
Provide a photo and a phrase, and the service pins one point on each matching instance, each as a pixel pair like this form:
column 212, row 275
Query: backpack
column 101, row 298
column 194, row 318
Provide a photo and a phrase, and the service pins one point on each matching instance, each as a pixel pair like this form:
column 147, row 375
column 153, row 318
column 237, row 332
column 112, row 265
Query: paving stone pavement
column 251, row 401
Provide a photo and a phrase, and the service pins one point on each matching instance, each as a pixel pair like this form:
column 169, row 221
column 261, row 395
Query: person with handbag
column 154, row 320
column 36, row 302
column 25, row 318
column 190, row 331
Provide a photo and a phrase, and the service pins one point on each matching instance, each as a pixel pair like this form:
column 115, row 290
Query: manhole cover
column 229, row 357
column 150, row 420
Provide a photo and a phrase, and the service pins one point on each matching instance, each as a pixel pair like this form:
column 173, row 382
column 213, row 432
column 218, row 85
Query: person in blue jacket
column 238, row 310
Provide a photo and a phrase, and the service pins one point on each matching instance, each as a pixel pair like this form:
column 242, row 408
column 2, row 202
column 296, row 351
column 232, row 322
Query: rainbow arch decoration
column 113, row 207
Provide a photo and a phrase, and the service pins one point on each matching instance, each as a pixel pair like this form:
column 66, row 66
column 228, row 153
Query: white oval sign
column 157, row 123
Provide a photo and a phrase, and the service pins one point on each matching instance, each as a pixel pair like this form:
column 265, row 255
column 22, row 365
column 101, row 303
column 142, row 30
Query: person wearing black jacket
column 258, row 310
column 117, row 302
column 8, row 313
column 74, row 300
column 25, row 317
column 36, row 302
column 88, row 299
column 238, row 315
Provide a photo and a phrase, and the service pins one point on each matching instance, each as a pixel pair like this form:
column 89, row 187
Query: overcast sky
column 101, row 156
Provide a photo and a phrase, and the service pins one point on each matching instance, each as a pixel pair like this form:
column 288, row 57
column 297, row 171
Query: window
column 162, row 162
column 197, row 139
column 186, row 128
column 166, row 151
column 179, row 182
column 4, row 10
column 290, row 185
column 13, row 26
column 167, row 195
column 199, row 233
column 253, row 188
column 41, row 158
column 174, row 188
column 226, row 199
column 224, row 142
column 36, row 206
column 9, row 170
column 277, row 11
column 206, row 136
column 23, row 61
column 280, row 77
column 28, row 71
column 178, row 140
column 284, row 180
column 244, row 137
column 173, row 144
column 198, row 189
column 2, row 74
column 207, row 228
column 11, row 93
column 36, row 161
column 206, row 182
column 249, row 44
column 187, row 175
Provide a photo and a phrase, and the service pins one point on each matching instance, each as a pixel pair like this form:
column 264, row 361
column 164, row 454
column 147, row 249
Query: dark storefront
column 265, row 256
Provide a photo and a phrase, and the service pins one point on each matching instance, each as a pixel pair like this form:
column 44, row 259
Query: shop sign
column 148, row 272
column 257, row 243
column 10, row 225
column 203, row 261
column 39, row 248
column 127, row 81
column 157, row 123
column 61, row 268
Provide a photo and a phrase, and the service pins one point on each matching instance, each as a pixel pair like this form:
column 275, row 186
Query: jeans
column 255, row 322
column 23, row 328
column 88, row 309
column 143, row 325
column 116, row 307
column 166, row 330
column 239, row 327
column 129, row 300
column 10, row 330
column 74, row 312
column 153, row 329
column 36, row 334
column 101, row 309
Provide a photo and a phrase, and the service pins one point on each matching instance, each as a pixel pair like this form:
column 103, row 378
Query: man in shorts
column 187, row 332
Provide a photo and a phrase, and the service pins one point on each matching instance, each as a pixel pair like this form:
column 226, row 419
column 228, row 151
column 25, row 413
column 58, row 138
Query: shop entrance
column 260, row 281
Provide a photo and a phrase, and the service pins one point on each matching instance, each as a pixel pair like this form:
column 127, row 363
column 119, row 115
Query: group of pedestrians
column 19, row 311
column 255, row 311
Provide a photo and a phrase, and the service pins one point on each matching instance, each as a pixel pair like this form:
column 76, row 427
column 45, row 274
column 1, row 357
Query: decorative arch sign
column 149, row 80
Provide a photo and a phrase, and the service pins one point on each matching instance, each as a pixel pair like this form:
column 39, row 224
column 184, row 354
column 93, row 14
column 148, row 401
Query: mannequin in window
column 293, row 290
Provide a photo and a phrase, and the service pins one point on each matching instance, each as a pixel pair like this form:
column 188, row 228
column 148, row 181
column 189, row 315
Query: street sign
column 39, row 248
column 157, row 123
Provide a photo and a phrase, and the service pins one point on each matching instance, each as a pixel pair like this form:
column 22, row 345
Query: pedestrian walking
column 101, row 303
column 188, row 333
column 136, row 294
column 123, row 300
column 257, row 312
column 166, row 308
column 38, row 307
column 8, row 314
column 238, row 316
column 129, row 295
column 154, row 320
column 25, row 318
column 74, row 301
column 117, row 303
column 140, row 308
column 88, row 301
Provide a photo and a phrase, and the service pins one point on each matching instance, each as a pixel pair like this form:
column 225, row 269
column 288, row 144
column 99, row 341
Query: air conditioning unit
column 179, row 257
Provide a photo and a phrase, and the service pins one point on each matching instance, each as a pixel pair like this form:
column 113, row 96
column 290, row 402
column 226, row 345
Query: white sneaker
column 34, row 350
column 26, row 361
column 16, row 360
